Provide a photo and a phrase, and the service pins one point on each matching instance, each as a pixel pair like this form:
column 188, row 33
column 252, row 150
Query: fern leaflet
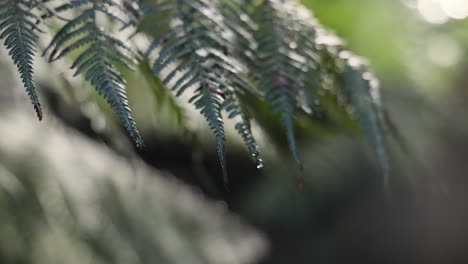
column 18, row 26
column 197, row 43
column 281, row 68
column 218, row 51
column 100, row 54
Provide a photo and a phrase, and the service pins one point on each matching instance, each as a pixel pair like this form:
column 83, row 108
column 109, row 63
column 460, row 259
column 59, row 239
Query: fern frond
column 298, row 60
column 220, row 51
column 362, row 90
column 356, row 89
column 235, row 108
column 209, row 100
column 359, row 89
column 282, row 67
column 100, row 54
column 18, row 26
column 194, row 49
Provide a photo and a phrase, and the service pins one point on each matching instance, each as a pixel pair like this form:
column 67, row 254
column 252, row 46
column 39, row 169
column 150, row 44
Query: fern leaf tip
column 38, row 109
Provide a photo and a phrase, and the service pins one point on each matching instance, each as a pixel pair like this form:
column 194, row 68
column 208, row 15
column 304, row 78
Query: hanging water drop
column 260, row 164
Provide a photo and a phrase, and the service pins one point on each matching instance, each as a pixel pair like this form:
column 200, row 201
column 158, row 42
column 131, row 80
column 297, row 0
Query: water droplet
column 260, row 164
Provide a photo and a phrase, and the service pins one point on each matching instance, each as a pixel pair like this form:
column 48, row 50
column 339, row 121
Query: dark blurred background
column 345, row 214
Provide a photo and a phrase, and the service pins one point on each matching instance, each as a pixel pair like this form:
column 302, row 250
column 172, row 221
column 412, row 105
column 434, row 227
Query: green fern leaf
column 296, row 66
column 360, row 90
column 236, row 109
column 361, row 87
column 18, row 28
column 209, row 100
column 222, row 52
column 281, row 69
column 100, row 55
column 194, row 50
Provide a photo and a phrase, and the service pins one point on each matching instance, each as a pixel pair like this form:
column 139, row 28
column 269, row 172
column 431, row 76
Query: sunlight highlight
column 439, row 11
column 457, row 9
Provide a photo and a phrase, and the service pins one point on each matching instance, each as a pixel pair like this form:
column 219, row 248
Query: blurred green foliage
column 77, row 202
column 397, row 41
